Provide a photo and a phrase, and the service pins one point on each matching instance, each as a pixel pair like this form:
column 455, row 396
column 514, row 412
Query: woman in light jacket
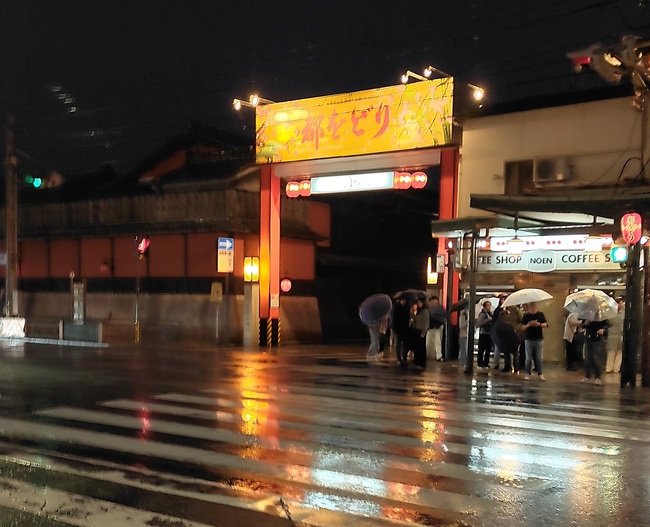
column 615, row 340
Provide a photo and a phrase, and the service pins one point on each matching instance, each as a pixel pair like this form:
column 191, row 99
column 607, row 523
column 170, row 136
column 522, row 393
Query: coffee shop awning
column 587, row 203
column 457, row 227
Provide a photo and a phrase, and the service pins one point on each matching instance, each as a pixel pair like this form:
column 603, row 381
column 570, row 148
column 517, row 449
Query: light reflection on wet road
column 311, row 436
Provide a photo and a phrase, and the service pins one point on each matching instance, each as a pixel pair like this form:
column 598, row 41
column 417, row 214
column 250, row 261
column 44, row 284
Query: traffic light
column 143, row 247
column 618, row 254
column 35, row 182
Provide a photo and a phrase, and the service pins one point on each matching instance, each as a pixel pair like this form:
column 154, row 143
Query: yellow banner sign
column 395, row 118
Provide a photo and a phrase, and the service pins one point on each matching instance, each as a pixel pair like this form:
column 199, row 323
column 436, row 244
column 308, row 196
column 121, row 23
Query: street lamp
column 254, row 101
column 409, row 73
column 477, row 92
column 516, row 244
column 251, row 324
column 432, row 275
column 251, row 269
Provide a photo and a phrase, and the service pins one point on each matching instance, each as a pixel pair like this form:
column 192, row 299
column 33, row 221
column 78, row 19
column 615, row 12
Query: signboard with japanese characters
column 395, row 118
column 631, row 227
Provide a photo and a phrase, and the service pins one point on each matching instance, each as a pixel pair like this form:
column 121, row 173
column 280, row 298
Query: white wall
column 597, row 136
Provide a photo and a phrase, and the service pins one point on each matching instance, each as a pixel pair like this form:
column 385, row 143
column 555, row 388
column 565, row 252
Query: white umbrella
column 526, row 296
column 494, row 302
column 591, row 304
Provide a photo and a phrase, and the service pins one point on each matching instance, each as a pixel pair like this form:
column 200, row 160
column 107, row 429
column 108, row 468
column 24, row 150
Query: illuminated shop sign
column 395, row 118
column 547, row 261
column 356, row 183
column 551, row 243
column 352, row 182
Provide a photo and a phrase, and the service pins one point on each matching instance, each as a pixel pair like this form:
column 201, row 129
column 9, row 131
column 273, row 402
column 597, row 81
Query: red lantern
column 419, row 180
column 402, row 180
column 305, row 188
column 631, row 227
column 285, row 285
column 292, row 189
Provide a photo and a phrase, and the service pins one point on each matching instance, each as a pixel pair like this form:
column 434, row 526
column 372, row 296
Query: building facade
column 588, row 151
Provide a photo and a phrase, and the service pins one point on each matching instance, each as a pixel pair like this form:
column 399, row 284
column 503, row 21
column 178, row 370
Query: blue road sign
column 225, row 244
column 225, row 255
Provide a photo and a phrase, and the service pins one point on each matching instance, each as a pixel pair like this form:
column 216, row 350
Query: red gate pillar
column 447, row 210
column 269, row 257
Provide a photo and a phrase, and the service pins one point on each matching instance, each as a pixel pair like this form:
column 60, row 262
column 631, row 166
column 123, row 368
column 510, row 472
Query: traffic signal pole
column 11, row 234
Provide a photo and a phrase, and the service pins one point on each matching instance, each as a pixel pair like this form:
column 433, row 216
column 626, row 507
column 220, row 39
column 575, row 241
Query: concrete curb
column 56, row 342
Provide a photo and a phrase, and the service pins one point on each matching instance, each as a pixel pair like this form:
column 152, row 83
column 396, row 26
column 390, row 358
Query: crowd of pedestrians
column 512, row 336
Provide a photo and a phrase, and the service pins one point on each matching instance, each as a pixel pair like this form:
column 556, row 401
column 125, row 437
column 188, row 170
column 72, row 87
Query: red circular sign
column 631, row 227
column 285, row 285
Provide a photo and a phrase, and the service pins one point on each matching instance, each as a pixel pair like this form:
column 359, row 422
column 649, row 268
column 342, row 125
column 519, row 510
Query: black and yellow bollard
column 275, row 332
column 263, row 332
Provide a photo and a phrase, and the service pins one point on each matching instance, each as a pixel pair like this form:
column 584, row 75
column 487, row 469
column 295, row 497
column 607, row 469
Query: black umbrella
column 460, row 305
column 375, row 309
column 411, row 295
column 438, row 313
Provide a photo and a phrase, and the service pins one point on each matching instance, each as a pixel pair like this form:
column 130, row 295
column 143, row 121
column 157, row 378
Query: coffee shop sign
column 546, row 261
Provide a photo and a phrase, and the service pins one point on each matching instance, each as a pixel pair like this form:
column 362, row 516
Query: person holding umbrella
column 596, row 340
column 615, row 340
column 505, row 338
column 594, row 308
column 400, row 326
column 437, row 320
column 534, row 322
column 484, row 323
column 419, row 328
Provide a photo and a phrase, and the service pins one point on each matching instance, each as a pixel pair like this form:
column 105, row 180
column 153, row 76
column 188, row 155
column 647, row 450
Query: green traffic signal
column 618, row 254
column 35, row 182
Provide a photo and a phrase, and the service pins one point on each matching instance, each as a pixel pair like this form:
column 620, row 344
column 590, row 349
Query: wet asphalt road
column 313, row 435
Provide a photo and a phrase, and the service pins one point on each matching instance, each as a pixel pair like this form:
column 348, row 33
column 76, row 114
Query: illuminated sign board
column 547, row 261
column 352, row 182
column 356, row 183
column 395, row 118
column 563, row 242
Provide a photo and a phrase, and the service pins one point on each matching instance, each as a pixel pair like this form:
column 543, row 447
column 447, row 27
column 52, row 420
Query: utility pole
column 11, row 234
column 632, row 325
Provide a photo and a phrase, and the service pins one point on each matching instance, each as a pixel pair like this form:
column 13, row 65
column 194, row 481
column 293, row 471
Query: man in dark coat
column 504, row 336
column 595, row 349
column 400, row 326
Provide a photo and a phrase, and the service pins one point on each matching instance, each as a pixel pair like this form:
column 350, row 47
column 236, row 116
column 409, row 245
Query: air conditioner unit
column 551, row 171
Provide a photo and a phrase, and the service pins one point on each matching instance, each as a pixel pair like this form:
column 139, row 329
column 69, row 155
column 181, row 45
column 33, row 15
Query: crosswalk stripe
column 74, row 509
column 390, row 462
column 175, row 486
column 389, row 420
column 448, row 410
column 352, row 399
column 540, row 456
column 333, row 480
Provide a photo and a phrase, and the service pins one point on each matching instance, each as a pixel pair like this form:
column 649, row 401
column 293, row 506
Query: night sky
column 94, row 83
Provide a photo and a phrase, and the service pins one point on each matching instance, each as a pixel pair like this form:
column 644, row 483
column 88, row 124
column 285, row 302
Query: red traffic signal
column 143, row 246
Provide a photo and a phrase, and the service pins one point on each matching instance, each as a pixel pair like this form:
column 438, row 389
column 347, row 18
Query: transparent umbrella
column 591, row 304
column 526, row 296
